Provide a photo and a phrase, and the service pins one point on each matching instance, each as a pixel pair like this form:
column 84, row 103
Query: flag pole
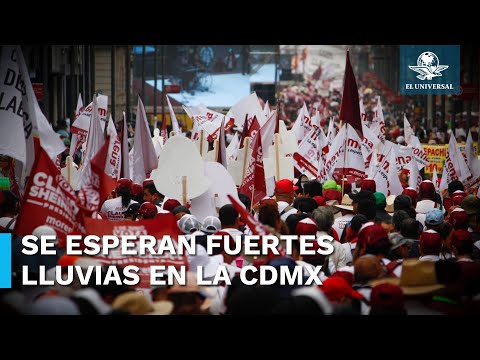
column 246, row 145
column 184, row 189
column 277, row 158
column 201, row 142
column 344, row 158
column 68, row 169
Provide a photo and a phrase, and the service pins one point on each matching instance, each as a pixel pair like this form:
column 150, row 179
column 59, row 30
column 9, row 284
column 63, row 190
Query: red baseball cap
column 459, row 219
column 430, row 239
column 171, row 204
column 336, row 288
column 427, row 189
column 148, row 210
column 458, row 196
column 372, row 235
column 320, row 200
column 306, row 227
column 348, row 276
column 387, row 297
column 137, row 189
column 462, row 238
column 411, row 193
column 124, row 184
column 369, row 184
column 285, row 186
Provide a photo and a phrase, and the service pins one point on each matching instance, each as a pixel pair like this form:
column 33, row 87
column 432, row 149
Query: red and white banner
column 208, row 120
column 307, row 157
column 248, row 107
column 20, row 116
column 418, row 152
column 253, row 184
column 473, row 163
column 48, row 200
column 345, row 157
column 125, row 163
column 378, row 122
column 331, row 133
column 95, row 141
column 163, row 224
column 455, row 167
column 81, row 125
column 369, row 142
column 98, row 185
column 303, row 124
column 114, row 160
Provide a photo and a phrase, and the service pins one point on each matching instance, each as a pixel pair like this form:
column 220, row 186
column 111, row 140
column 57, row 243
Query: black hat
column 132, row 209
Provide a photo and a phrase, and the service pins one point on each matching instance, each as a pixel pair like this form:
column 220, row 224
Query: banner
column 48, row 200
column 436, row 155
column 164, row 224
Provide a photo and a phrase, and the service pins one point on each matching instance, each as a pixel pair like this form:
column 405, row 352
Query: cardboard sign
column 222, row 185
column 180, row 158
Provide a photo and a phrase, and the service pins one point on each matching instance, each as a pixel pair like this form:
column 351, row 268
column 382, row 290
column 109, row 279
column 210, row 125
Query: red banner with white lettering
column 48, row 200
column 163, row 224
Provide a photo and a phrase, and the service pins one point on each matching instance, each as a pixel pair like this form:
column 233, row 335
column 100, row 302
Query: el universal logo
column 428, row 67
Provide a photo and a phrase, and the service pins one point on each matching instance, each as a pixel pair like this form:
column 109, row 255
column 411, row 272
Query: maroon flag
column 350, row 108
column 48, row 200
column 253, row 184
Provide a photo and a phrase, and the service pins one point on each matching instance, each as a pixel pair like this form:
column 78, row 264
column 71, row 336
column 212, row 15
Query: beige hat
column 390, row 200
column 136, row 303
column 418, row 278
column 347, row 203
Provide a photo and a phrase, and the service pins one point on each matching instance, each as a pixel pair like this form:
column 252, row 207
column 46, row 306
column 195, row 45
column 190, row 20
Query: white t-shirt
column 114, row 209
column 281, row 206
column 340, row 223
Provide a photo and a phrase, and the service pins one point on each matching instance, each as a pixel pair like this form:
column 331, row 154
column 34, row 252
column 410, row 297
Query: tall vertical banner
column 20, row 116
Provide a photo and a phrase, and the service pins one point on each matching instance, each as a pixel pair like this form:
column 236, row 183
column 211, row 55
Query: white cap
column 400, row 139
column 43, row 230
column 211, row 224
column 188, row 224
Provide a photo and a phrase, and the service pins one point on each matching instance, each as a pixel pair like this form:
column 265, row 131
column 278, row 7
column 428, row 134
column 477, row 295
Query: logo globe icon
column 427, row 58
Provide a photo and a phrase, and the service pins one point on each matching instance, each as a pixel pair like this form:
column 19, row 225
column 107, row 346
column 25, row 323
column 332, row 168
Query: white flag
column 267, row 131
column 394, row 185
column 173, row 119
column 407, row 130
column 206, row 119
column 247, row 106
column 378, row 123
column 415, row 178
column 455, row 167
column 233, row 147
column 114, row 158
column 369, row 142
column 95, row 141
column 20, row 116
column 144, row 157
column 472, row 162
column 266, row 110
column 331, row 133
column 418, row 152
column 303, row 124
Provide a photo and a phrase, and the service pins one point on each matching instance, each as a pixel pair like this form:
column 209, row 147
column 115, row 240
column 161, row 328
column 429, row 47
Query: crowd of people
column 415, row 253
column 292, row 98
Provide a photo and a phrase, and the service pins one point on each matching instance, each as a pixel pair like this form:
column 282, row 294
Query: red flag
column 246, row 126
column 222, row 148
column 48, row 200
column 350, row 108
column 163, row 224
column 99, row 185
column 254, row 183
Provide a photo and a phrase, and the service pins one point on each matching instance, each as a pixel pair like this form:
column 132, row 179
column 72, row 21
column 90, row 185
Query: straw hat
column 347, row 203
column 390, row 200
column 418, row 278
